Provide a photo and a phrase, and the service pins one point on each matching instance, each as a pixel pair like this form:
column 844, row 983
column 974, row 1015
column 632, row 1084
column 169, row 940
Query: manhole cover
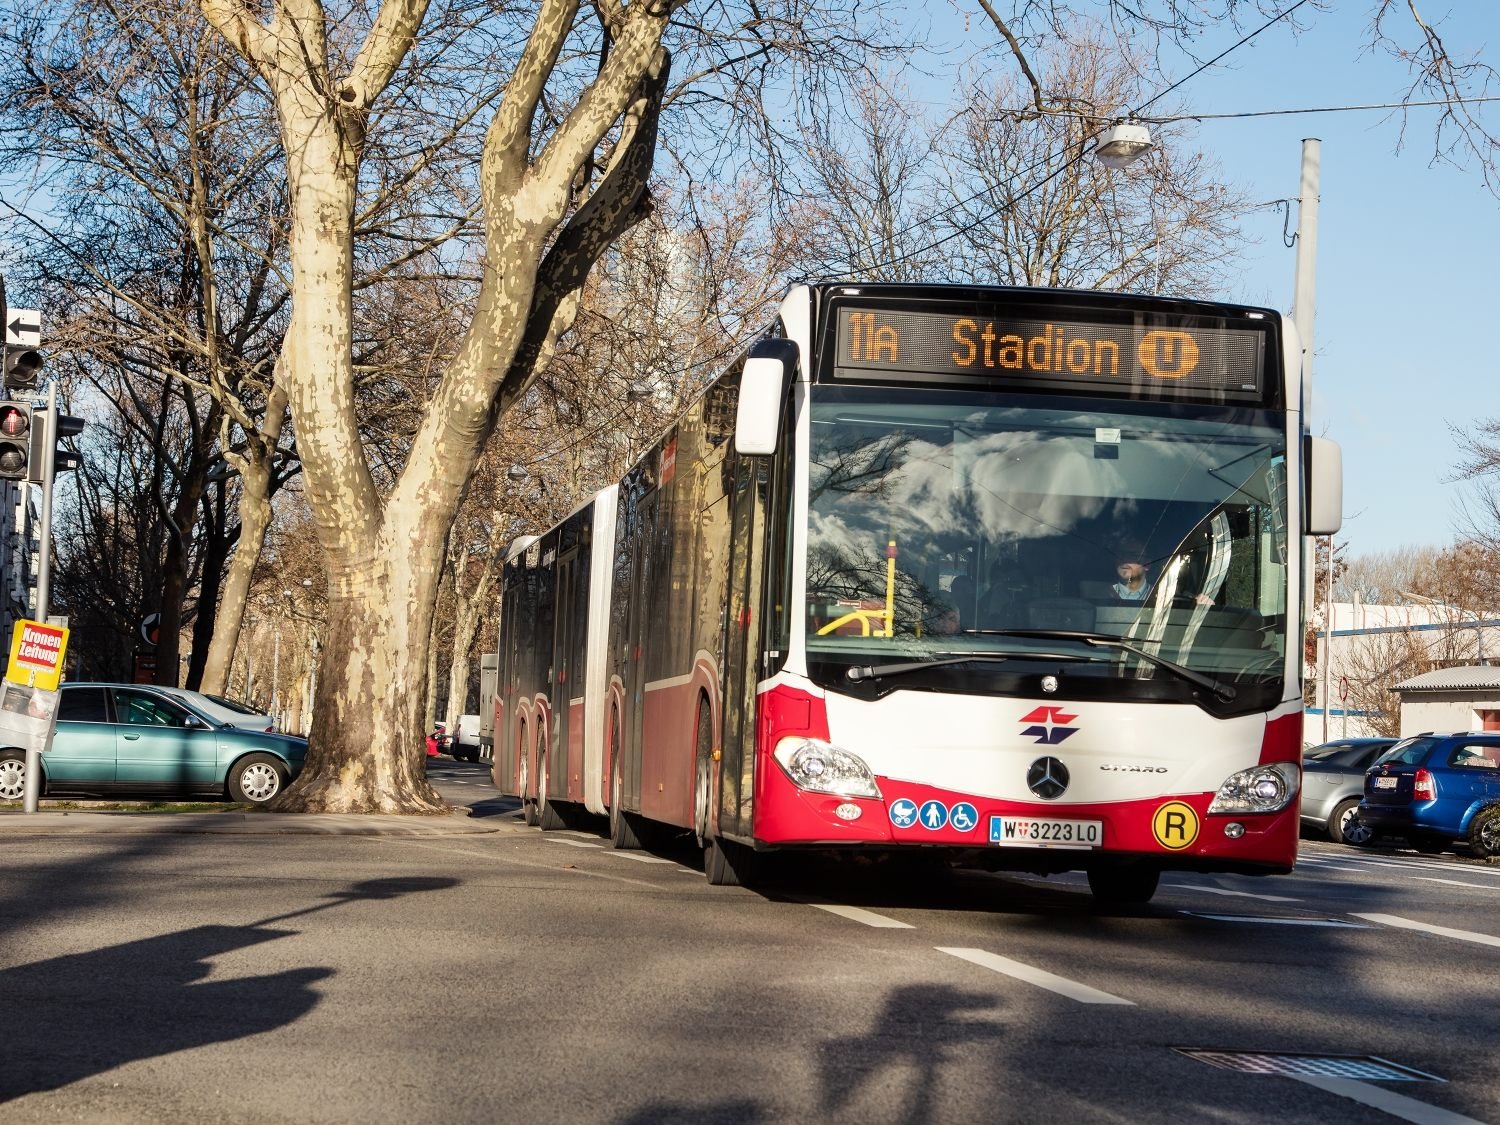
column 1367, row 1068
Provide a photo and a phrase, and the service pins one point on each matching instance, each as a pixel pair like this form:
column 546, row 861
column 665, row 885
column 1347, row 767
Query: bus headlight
column 1260, row 789
column 822, row 767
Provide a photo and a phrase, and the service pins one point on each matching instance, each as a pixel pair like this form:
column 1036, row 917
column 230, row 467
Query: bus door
column 743, row 629
column 561, row 688
column 642, row 551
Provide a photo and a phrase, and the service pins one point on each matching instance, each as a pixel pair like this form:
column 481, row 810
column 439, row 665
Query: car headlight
column 1260, row 789
column 823, row 767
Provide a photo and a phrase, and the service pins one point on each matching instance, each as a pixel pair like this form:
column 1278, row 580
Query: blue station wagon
column 129, row 740
column 1435, row 789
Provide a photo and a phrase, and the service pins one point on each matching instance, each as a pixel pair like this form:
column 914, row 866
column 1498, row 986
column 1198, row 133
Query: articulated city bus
column 1011, row 576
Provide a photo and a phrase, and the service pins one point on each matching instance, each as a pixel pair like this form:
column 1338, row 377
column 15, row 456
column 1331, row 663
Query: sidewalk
column 239, row 822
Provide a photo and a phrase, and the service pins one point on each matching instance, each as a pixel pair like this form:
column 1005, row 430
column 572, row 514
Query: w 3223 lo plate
column 1045, row 832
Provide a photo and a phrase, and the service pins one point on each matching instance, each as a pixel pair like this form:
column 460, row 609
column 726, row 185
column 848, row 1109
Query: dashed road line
column 1387, row 1101
column 1424, row 927
column 866, row 917
column 1456, row 883
column 1222, row 891
column 640, row 857
column 1072, row 989
column 572, row 843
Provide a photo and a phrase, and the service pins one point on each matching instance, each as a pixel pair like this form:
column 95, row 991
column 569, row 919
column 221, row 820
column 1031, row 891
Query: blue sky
column 1406, row 289
column 1406, row 296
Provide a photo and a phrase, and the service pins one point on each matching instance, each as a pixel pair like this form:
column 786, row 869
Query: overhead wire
column 1068, row 163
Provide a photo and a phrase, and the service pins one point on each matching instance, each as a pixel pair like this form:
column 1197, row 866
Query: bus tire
column 728, row 865
column 623, row 834
column 1124, row 884
column 548, row 818
column 528, row 804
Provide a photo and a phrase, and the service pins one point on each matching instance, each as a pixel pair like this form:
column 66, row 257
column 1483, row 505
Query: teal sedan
column 131, row 740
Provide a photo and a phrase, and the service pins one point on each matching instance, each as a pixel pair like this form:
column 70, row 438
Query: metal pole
column 1304, row 293
column 32, row 785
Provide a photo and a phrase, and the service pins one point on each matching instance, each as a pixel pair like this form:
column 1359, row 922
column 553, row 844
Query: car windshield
column 1343, row 754
column 943, row 523
column 1408, row 753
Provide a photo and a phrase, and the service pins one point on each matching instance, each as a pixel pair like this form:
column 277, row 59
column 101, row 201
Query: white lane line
column 579, row 835
column 1264, row 921
column 1387, row 1101
column 1423, row 927
column 1233, row 894
column 867, row 917
column 571, row 843
column 639, row 858
column 1039, row 977
column 1455, row 883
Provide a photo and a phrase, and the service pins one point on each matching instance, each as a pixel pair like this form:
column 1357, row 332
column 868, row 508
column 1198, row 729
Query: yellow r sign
column 1175, row 825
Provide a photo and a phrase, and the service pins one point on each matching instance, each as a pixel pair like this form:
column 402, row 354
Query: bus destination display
column 1051, row 354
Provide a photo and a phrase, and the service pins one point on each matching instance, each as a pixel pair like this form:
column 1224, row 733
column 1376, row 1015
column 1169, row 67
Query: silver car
column 1333, row 781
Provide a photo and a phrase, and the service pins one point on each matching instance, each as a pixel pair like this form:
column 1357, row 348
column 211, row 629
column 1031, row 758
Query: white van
column 465, row 741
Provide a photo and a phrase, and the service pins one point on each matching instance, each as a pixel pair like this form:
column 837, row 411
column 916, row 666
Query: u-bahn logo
column 1049, row 725
column 1167, row 355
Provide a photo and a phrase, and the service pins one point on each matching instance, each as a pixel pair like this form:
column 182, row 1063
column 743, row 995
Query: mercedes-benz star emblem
column 1047, row 778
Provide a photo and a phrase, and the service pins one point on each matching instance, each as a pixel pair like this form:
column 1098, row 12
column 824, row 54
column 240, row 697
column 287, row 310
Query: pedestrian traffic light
column 15, row 441
column 47, row 429
column 23, row 366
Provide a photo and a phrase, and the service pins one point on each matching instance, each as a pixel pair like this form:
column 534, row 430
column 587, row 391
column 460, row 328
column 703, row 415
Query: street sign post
column 23, row 328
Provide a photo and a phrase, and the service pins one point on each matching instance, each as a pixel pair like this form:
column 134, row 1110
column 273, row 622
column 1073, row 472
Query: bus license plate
column 1044, row 832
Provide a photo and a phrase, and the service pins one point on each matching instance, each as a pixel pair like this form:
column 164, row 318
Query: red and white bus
column 863, row 594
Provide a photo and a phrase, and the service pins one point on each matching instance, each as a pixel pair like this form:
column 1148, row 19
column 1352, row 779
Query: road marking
column 579, row 835
column 1454, row 883
column 639, row 858
column 1387, row 1101
column 867, row 917
column 1222, row 891
column 1039, row 977
column 1266, row 921
column 1423, row 927
column 571, row 843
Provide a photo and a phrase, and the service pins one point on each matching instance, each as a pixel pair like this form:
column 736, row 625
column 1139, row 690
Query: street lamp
column 1122, row 145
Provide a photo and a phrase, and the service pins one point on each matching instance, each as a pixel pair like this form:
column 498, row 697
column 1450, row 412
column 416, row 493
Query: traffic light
column 15, row 441
column 49, row 428
column 23, row 366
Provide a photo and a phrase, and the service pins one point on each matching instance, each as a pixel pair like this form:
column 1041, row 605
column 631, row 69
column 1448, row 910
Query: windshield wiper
column 1108, row 640
column 878, row 671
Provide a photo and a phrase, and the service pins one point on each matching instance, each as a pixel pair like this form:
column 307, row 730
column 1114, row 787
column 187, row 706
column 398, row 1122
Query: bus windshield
column 945, row 523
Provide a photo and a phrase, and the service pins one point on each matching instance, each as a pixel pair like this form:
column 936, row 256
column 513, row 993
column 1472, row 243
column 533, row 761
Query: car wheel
column 256, row 778
column 1125, row 884
column 1484, row 830
column 1344, row 826
column 12, row 775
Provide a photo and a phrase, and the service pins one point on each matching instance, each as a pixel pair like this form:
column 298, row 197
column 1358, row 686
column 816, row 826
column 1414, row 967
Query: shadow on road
column 914, row 1035
column 78, row 1015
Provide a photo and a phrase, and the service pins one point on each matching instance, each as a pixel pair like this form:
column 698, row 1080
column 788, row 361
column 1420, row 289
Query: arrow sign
column 23, row 328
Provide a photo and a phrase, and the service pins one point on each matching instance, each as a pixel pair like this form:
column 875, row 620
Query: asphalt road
column 501, row 973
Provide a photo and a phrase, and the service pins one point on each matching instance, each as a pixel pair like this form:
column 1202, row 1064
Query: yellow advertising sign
column 36, row 655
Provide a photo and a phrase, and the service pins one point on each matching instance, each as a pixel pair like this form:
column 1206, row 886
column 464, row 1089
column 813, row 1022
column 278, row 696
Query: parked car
column 1333, row 781
column 465, row 741
column 127, row 740
column 1435, row 789
column 230, row 712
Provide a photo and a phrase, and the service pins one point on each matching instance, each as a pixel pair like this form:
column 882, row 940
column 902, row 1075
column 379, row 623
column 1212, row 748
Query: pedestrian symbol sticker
column 904, row 813
column 964, row 817
column 934, row 815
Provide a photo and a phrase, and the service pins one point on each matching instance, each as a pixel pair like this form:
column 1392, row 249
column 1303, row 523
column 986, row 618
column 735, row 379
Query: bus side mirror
column 763, row 383
column 1323, row 501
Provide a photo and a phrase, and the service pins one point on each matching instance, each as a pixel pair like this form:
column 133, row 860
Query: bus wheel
column 528, row 806
column 547, row 815
column 1125, row 884
column 728, row 865
column 622, row 827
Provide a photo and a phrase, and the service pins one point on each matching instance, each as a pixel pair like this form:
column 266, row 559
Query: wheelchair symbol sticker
column 964, row 817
